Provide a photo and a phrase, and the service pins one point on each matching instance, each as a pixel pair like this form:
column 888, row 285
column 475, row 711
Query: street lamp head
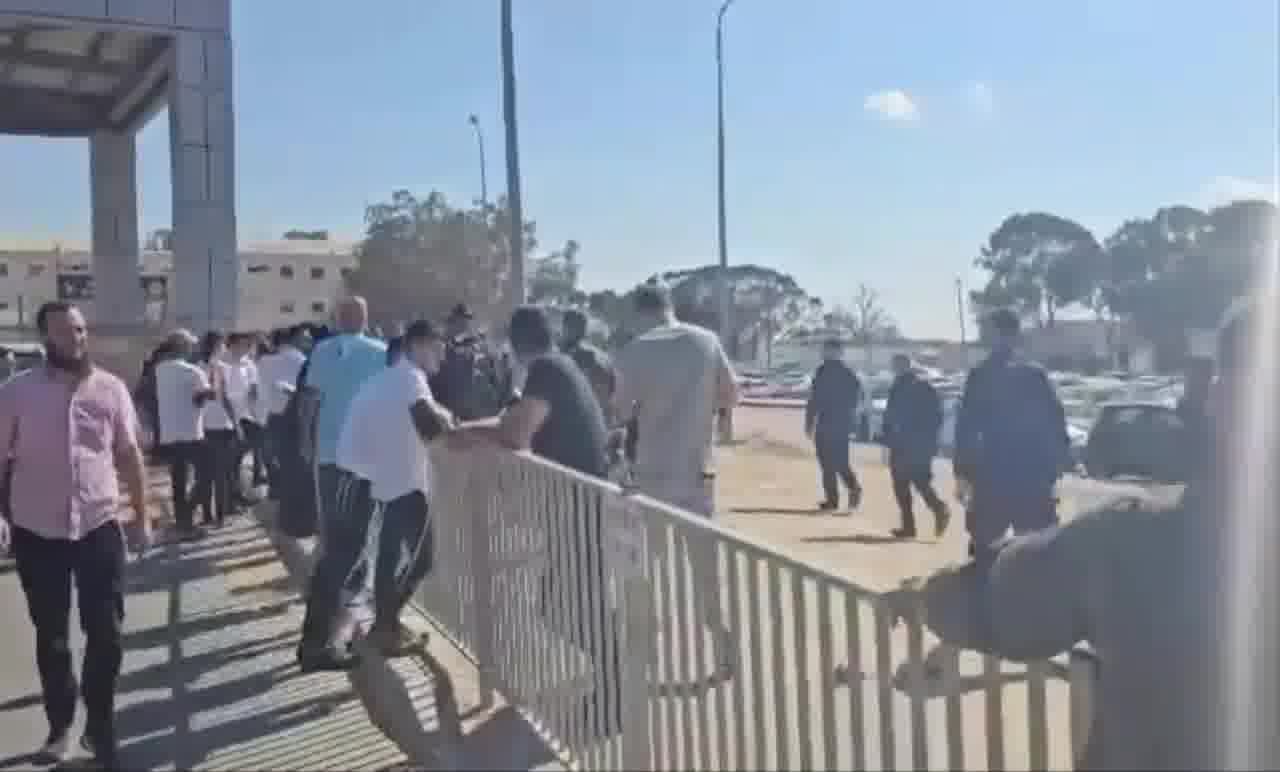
column 724, row 7
column 473, row 120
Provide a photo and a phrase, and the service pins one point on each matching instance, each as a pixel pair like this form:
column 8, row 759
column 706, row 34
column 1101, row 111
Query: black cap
column 420, row 330
column 460, row 311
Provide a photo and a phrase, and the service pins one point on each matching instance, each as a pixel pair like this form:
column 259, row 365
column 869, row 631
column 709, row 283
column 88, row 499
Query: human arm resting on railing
column 1033, row 602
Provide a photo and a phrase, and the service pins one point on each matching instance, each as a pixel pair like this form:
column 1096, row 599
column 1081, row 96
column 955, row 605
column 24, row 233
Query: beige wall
column 279, row 284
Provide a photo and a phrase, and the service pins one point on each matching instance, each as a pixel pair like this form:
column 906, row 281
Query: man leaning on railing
column 559, row 419
column 1177, row 601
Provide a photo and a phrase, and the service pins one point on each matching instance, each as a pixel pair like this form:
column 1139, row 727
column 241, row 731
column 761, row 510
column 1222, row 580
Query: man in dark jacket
column 912, row 420
column 1011, row 441
column 468, row 382
column 834, row 396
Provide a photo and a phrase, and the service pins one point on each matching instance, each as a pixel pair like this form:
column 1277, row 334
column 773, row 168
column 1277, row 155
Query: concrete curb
column 384, row 693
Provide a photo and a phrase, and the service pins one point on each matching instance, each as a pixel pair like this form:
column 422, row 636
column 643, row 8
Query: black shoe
column 103, row 750
column 855, row 498
column 828, row 506
column 329, row 658
column 904, row 533
column 190, row 533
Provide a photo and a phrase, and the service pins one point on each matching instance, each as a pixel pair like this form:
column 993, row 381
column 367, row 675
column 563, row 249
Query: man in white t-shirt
column 244, row 392
column 182, row 390
column 279, row 368
column 386, row 474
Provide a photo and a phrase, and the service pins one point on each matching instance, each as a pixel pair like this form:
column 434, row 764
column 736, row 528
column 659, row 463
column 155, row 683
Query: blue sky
column 867, row 142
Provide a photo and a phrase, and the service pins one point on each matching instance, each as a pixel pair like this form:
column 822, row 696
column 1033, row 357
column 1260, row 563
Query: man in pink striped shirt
column 70, row 431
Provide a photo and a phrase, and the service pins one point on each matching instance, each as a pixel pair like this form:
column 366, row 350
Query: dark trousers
column 224, row 455
column 253, row 433
column 833, row 461
column 184, row 458
column 273, row 438
column 913, row 470
column 994, row 510
column 46, row 568
column 405, row 551
column 347, row 509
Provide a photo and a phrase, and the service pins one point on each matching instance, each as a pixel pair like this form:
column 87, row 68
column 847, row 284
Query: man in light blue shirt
column 339, row 366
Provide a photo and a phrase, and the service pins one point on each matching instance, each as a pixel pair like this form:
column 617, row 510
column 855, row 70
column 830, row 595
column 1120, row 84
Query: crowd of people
column 339, row 422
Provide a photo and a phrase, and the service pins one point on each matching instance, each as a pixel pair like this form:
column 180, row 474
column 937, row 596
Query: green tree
column 301, row 235
column 1038, row 263
column 553, row 279
column 421, row 256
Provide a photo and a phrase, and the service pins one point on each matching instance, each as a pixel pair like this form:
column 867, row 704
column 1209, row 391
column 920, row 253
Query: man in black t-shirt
column 559, row 419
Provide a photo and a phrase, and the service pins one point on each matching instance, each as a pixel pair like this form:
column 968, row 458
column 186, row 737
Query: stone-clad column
column 206, row 267
column 114, row 187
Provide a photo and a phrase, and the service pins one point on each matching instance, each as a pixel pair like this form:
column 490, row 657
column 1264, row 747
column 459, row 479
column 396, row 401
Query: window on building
column 319, row 307
column 4, row 269
column 4, row 305
column 286, row 272
column 35, row 269
column 259, row 268
column 317, row 272
column 286, row 307
column 346, row 272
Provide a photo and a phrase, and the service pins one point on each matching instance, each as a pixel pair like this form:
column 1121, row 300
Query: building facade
column 281, row 282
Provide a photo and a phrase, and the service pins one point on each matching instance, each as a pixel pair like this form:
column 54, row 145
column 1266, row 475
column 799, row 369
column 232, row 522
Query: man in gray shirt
column 674, row 378
column 1178, row 602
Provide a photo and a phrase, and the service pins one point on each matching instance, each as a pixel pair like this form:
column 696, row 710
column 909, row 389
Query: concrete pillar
column 114, row 186
column 206, row 267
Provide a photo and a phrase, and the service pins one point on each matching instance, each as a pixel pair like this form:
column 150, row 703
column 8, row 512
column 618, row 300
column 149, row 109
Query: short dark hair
column 1004, row 321
column 49, row 309
column 419, row 331
column 530, row 329
column 651, row 297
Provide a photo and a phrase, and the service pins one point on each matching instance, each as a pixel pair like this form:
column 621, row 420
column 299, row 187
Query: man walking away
column 396, row 409
column 71, row 430
column 912, row 420
column 182, row 391
column 338, row 367
column 673, row 379
column 559, row 419
column 1011, row 440
column 834, row 395
column 222, row 438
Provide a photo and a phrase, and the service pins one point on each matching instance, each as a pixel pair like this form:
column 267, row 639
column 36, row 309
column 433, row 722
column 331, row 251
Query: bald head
column 351, row 315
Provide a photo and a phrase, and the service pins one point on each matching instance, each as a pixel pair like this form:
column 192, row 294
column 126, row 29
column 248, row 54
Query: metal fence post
column 483, row 491
column 627, row 544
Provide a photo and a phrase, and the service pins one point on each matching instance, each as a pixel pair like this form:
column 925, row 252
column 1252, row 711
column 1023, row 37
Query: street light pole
column 484, row 175
column 960, row 308
column 722, row 287
column 515, row 209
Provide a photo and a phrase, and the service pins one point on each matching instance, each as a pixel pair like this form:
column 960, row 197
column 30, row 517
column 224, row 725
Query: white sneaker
column 57, row 748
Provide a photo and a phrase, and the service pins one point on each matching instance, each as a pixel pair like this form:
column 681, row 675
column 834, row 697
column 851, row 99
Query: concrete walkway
column 209, row 679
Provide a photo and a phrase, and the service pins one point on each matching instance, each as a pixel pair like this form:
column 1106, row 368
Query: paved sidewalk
column 209, row 679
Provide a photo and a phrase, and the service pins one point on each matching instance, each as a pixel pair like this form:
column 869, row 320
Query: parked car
column 1142, row 439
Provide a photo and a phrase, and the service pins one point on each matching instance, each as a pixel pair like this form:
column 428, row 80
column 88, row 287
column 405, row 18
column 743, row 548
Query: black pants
column 46, row 568
column 347, row 509
column 253, row 433
column 405, row 551
column 273, row 439
column 575, row 602
column 993, row 510
column 183, row 458
column 913, row 471
column 224, row 455
column 833, row 460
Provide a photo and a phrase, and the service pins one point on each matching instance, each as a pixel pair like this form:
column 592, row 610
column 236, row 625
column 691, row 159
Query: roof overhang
column 72, row 81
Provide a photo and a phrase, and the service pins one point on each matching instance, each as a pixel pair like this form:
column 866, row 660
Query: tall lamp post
column 515, row 209
column 484, row 175
column 722, row 286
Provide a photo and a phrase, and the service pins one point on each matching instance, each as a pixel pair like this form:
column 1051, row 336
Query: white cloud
column 982, row 98
column 892, row 105
column 1225, row 189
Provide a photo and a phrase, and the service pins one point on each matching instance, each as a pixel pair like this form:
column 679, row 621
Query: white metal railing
column 595, row 611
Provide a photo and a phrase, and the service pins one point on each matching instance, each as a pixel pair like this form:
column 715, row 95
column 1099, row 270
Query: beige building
column 281, row 282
